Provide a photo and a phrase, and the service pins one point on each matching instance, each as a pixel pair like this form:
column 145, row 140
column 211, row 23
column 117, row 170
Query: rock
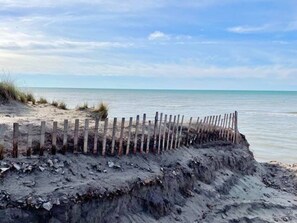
column 104, row 171
column 110, row 164
column 29, row 183
column 285, row 219
column 50, row 162
column 3, row 170
column 47, row 206
column 41, row 168
column 16, row 166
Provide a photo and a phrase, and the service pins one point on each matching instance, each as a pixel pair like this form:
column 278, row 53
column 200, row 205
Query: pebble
column 47, row 206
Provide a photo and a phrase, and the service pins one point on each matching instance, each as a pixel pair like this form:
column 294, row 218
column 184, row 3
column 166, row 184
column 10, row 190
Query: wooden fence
column 121, row 136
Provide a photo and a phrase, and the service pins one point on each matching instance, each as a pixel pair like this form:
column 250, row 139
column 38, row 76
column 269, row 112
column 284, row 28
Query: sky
column 164, row 44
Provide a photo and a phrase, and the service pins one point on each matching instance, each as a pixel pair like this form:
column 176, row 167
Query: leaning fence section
column 123, row 136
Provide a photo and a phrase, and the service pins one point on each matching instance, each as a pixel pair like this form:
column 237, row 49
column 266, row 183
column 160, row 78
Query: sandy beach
column 213, row 182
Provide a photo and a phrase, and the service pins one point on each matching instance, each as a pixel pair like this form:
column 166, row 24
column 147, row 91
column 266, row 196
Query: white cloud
column 248, row 29
column 157, row 35
column 15, row 40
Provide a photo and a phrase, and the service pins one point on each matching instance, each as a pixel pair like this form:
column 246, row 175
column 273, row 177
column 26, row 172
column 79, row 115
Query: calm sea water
column 268, row 119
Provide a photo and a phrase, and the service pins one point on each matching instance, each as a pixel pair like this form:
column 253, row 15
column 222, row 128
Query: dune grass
column 101, row 110
column 62, row 105
column 55, row 104
column 9, row 91
column 85, row 106
column 42, row 101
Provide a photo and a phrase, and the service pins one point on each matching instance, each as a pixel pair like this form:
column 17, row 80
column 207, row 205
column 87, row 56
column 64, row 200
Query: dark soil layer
column 216, row 182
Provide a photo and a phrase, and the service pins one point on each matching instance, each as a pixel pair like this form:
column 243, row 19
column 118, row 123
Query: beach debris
column 47, row 206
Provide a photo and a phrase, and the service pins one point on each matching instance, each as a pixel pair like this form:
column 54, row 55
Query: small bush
column 55, row 104
column 84, row 106
column 102, row 111
column 62, row 105
column 42, row 101
column 1, row 152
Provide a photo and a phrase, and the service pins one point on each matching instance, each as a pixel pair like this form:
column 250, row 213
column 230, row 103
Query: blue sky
column 171, row 44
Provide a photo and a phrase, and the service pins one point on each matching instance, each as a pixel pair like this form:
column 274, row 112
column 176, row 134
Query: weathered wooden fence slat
column 96, row 129
column 142, row 133
column 129, row 136
column 164, row 133
column 104, row 137
column 29, row 141
column 176, row 132
column 148, row 137
column 155, row 131
column 121, row 137
column 65, row 137
column 172, row 132
column 180, row 132
column 54, row 138
column 114, row 129
column 15, row 143
column 136, row 134
column 159, row 133
column 168, row 135
column 86, row 136
column 75, row 139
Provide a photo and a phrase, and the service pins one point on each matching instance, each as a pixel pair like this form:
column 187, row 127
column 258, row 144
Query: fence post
column 176, row 132
column 155, row 131
column 54, row 138
column 229, row 126
column 104, row 137
column 168, row 135
column 86, row 136
column 180, row 132
column 159, row 133
column 65, row 138
column 121, row 137
column 188, row 133
column 148, row 136
column 114, row 128
column 142, row 133
column 95, row 149
column 15, row 142
column 164, row 133
column 172, row 134
column 75, row 140
column 136, row 134
column 42, row 136
column 29, row 140
column 129, row 136
column 236, row 127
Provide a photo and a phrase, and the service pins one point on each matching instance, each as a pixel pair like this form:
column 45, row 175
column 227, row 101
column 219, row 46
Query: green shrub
column 101, row 111
column 55, row 104
column 42, row 101
column 62, row 105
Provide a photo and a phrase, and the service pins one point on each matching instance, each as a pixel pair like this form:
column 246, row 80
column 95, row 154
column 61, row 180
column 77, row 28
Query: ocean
column 267, row 118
